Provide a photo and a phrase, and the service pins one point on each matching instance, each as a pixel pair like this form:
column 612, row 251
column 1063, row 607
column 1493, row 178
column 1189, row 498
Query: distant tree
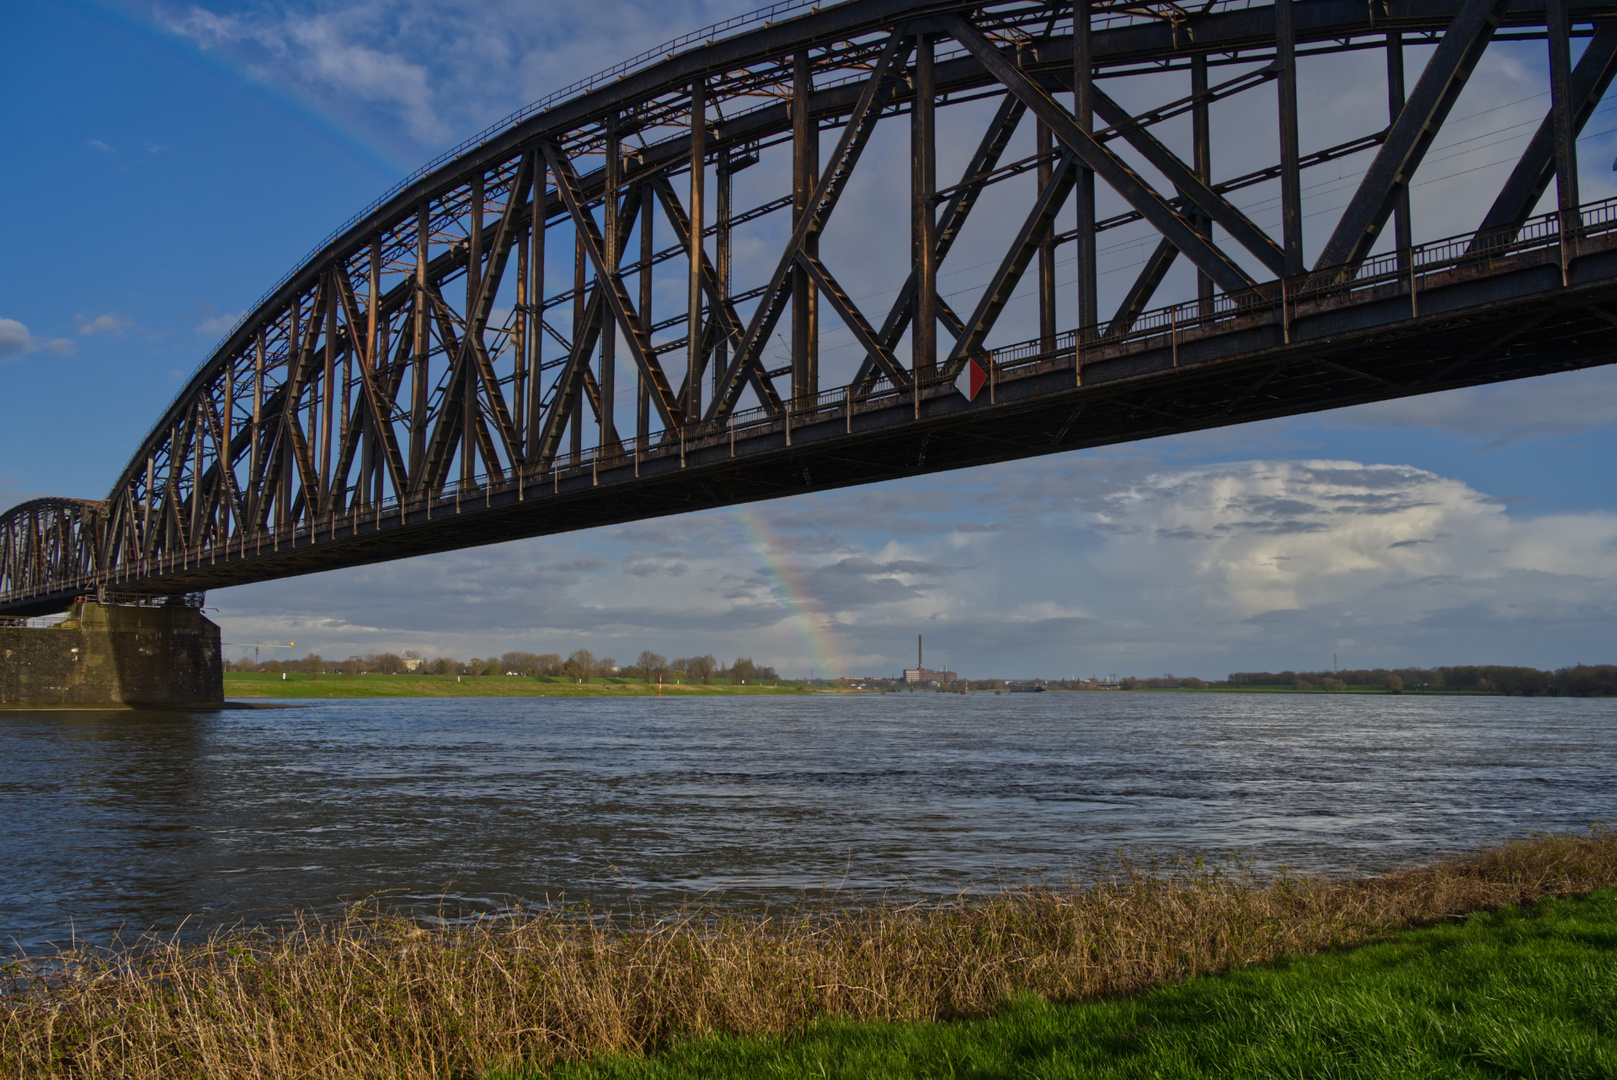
column 315, row 665
column 1187, row 684
column 1332, row 685
column 549, row 663
column 385, row 663
column 580, row 665
column 1301, row 684
column 744, row 670
column 444, row 665
column 1129, row 683
column 650, row 666
column 1392, row 684
column 699, row 669
column 523, row 663
column 1585, row 680
column 606, row 666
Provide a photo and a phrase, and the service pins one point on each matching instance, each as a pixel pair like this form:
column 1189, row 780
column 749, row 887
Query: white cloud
column 104, row 324
column 444, row 68
column 99, row 146
column 218, row 324
column 15, row 340
column 322, row 53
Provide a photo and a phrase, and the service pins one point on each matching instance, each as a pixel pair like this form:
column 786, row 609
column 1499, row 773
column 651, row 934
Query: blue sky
column 166, row 163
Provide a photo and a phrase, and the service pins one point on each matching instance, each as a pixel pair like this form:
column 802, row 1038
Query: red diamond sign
column 972, row 379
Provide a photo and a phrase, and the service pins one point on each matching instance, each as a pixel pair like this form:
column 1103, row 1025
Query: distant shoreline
column 240, row 685
column 255, row 685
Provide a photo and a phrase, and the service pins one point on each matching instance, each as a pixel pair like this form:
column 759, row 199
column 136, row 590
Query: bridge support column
column 111, row 655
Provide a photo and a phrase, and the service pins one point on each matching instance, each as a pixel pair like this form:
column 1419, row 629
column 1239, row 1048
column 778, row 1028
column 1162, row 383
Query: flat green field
column 261, row 685
column 1513, row 993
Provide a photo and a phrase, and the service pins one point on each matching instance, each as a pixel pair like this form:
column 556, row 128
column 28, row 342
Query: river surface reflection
column 144, row 820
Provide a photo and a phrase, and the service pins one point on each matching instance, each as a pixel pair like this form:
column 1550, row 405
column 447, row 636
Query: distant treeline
column 580, row 664
column 1584, row 680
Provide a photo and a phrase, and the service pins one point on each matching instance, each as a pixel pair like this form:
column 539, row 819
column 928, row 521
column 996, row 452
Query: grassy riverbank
column 368, row 995
column 248, row 685
column 1527, row 992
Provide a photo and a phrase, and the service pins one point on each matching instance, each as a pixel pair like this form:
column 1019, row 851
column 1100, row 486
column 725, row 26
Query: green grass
column 264, row 685
column 1516, row 993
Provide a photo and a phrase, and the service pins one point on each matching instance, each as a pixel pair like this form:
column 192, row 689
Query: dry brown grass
column 369, row 995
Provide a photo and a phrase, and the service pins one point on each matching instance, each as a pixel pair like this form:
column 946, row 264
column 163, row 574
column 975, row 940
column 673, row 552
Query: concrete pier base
column 112, row 655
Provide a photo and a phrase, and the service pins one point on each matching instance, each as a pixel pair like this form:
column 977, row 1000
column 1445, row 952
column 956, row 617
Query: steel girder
column 459, row 342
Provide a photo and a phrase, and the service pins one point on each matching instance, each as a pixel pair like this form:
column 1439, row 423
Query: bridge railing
column 1413, row 267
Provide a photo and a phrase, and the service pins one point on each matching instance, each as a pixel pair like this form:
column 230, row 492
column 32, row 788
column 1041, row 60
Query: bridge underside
column 1516, row 322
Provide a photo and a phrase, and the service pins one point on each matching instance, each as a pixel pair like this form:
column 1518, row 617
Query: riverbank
column 1506, row 993
column 248, row 685
column 372, row 995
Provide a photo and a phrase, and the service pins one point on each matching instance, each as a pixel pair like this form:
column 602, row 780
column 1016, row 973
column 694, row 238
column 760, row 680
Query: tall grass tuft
column 374, row 995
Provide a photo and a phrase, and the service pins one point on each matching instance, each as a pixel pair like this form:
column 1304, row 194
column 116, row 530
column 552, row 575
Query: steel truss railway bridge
column 444, row 371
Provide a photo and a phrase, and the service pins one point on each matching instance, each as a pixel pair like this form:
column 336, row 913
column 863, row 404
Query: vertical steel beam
column 721, row 255
column 1202, row 161
column 320, row 499
column 536, row 306
column 924, row 226
column 290, row 392
column 1083, row 109
column 146, row 517
column 613, row 179
column 196, row 474
column 374, row 356
column 474, row 244
column 642, row 410
column 805, row 175
column 226, row 461
column 418, row 342
column 1044, row 147
column 254, row 477
column 1403, row 237
column 1559, row 28
column 693, row 294
column 339, row 484
column 522, row 324
column 1291, row 190
column 576, row 409
column 474, row 282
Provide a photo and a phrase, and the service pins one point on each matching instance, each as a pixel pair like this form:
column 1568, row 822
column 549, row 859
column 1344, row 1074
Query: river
column 147, row 820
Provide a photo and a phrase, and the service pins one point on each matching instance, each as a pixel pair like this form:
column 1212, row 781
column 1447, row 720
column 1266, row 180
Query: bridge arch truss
column 525, row 339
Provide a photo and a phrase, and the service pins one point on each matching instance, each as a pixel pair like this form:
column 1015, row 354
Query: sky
column 165, row 163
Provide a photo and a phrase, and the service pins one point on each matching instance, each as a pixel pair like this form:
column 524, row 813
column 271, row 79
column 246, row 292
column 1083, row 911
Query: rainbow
column 812, row 625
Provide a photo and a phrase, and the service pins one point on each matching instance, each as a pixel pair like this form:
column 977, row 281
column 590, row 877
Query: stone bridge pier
column 113, row 655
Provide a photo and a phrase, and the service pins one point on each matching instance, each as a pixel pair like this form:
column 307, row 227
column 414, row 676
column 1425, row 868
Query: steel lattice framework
column 428, row 380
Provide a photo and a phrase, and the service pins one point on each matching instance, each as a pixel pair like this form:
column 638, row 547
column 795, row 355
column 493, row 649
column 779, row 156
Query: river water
column 144, row 820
